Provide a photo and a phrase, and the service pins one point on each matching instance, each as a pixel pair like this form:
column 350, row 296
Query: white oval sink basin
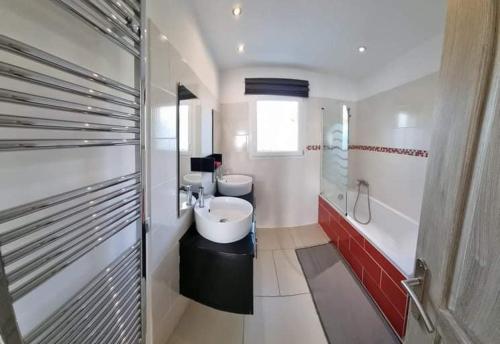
column 224, row 219
column 235, row 185
column 195, row 180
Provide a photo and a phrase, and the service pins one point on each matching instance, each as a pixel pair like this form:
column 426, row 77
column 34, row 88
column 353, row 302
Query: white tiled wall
column 400, row 118
column 165, row 304
column 286, row 188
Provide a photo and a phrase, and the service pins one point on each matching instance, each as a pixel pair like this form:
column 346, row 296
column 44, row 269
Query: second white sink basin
column 195, row 180
column 224, row 219
column 235, row 185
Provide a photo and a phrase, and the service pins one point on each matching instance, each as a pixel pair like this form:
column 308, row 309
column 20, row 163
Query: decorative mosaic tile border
column 391, row 150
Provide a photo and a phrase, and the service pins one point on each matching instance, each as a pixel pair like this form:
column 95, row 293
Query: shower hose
column 356, row 203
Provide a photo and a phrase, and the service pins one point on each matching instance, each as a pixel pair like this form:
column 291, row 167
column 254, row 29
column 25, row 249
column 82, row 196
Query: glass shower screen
column 335, row 154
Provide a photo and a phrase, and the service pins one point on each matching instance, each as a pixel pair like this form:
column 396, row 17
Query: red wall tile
column 354, row 233
column 396, row 296
column 397, row 321
column 344, row 242
column 379, row 276
column 357, row 268
column 384, row 263
column 369, row 265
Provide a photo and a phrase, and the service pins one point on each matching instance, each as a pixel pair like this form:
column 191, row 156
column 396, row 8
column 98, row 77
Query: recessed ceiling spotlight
column 237, row 11
column 241, row 48
column 362, row 49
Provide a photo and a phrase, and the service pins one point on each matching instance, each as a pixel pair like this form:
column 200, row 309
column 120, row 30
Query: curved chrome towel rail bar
column 29, row 208
column 100, row 290
column 27, row 75
column 23, row 98
column 38, row 55
column 9, row 121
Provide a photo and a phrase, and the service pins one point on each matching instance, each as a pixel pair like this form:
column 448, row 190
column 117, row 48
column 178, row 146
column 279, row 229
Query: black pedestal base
column 217, row 275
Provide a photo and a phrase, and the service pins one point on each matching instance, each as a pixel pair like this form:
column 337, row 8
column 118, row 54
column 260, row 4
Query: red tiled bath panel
column 384, row 263
column 323, row 218
column 344, row 242
column 353, row 232
column 334, row 229
column 393, row 292
column 397, row 321
column 379, row 276
column 369, row 265
column 357, row 268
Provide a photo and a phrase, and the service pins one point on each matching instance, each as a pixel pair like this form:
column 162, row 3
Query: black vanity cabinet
column 217, row 275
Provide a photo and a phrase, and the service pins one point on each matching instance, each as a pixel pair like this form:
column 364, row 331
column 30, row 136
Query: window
column 276, row 127
column 184, row 134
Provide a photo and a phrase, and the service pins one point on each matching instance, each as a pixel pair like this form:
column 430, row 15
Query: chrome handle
column 419, row 282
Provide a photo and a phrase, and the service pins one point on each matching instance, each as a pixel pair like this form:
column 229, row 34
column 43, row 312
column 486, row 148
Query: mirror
column 188, row 145
column 194, row 139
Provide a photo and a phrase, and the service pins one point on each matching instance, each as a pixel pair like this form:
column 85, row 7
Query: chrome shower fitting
column 360, row 183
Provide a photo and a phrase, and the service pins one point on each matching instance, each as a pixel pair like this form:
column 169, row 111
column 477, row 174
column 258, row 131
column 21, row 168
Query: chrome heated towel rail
column 41, row 238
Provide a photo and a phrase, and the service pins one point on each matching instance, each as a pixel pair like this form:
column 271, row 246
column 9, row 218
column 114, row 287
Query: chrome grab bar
column 419, row 282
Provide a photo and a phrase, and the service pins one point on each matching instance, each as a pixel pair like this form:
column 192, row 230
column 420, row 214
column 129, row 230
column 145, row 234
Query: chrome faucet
column 189, row 190
column 201, row 197
column 220, row 172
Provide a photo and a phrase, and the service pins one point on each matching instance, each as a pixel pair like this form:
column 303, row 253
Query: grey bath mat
column 347, row 313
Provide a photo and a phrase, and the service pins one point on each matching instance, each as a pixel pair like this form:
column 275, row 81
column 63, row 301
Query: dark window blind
column 277, row 87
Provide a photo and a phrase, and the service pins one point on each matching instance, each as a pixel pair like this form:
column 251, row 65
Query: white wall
column 167, row 69
column 423, row 60
column 286, row 188
column 405, row 87
column 176, row 20
column 398, row 118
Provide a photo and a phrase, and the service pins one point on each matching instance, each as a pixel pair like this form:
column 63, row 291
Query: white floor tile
column 275, row 239
column 291, row 279
column 284, row 320
column 265, row 278
column 204, row 325
column 267, row 239
column 308, row 236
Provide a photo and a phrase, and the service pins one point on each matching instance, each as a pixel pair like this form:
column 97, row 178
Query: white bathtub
column 392, row 232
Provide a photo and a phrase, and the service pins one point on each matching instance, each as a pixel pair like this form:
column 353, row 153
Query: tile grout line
column 276, row 273
column 281, row 296
column 243, row 334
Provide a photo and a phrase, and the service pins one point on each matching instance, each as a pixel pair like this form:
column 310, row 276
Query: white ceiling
column 320, row 35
